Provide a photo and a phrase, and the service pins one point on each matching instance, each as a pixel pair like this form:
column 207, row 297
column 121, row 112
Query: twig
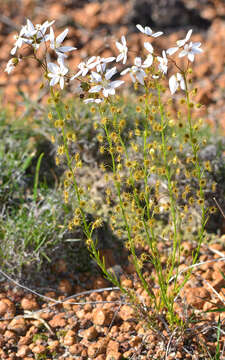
column 5, row 20
column 219, row 207
column 195, row 265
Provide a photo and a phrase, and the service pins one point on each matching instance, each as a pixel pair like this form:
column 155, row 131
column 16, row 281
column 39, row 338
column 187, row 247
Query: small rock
column 58, row 321
column 127, row 283
column 39, row 349
column 69, row 338
column 114, row 355
column 18, row 325
column 113, row 346
column 53, row 345
column 126, row 312
column 7, row 308
column 23, row 351
column 76, row 349
column 29, row 304
column 127, row 326
column 89, row 334
column 197, row 297
column 65, row 286
column 102, row 317
column 135, row 341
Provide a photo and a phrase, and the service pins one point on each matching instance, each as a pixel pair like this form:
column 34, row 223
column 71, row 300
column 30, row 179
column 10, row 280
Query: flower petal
column 140, row 28
column 110, row 73
column 95, row 89
column 62, row 36
column 116, row 83
column 149, row 47
column 157, row 34
column 172, row 50
column 61, row 82
column 173, row 84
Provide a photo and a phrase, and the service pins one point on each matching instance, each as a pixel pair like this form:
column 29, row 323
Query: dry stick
column 5, row 20
column 196, row 265
column 219, row 207
column 69, row 297
column 169, row 342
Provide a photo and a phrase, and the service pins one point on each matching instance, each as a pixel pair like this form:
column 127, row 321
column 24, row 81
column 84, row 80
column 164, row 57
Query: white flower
column 35, row 34
column 122, row 47
column 11, row 64
column 19, row 41
column 137, row 71
column 190, row 50
column 100, row 63
column 175, row 81
column 57, row 73
column 84, row 67
column 163, row 62
column 91, row 100
column 55, row 44
column 180, row 43
column 103, row 82
column 148, row 31
column 150, row 49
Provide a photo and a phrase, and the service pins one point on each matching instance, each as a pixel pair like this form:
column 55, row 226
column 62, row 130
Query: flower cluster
column 99, row 84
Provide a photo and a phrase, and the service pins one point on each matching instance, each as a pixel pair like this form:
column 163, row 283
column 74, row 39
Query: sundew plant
column 143, row 173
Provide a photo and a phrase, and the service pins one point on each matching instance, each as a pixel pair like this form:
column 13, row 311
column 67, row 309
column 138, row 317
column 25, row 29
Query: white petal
column 188, row 35
column 149, row 47
column 76, row 75
column 13, row 51
column 125, row 71
column 183, row 53
column 108, row 91
column 96, row 77
column 125, row 58
column 63, row 70
column 119, row 57
column 66, row 48
column 182, row 84
column 61, row 82
column 140, row 77
column 123, row 39
column 53, row 68
column 30, row 26
column 52, row 37
column 137, row 61
column 148, row 31
column 89, row 61
column 173, row 84
column 157, row 34
column 62, row 36
column 110, row 73
column 54, row 81
column 60, row 54
column 116, row 83
column 95, row 89
column 148, row 62
column 191, row 56
column 172, row 50
column 119, row 46
column 132, row 78
column 140, row 28
column 91, row 100
column 107, row 60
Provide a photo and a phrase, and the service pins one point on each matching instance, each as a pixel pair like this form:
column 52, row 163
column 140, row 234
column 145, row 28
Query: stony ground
column 78, row 315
